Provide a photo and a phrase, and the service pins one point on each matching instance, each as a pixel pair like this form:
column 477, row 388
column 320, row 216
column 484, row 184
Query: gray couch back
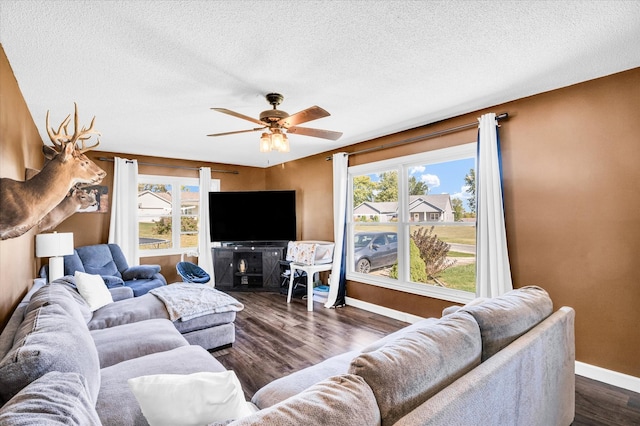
column 52, row 336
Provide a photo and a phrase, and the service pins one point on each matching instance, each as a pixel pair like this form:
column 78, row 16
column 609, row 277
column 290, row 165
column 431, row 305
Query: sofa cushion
column 128, row 311
column 128, row 341
column 120, row 293
column 49, row 339
column 93, row 290
column 118, row 406
column 505, row 318
column 53, row 399
column 409, row 370
column 455, row 308
column 280, row 389
column 393, row 336
column 142, row 286
column 60, row 293
column 205, row 321
column 97, row 259
column 344, row 400
column 191, row 399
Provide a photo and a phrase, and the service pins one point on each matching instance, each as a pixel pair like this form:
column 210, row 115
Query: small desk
column 311, row 270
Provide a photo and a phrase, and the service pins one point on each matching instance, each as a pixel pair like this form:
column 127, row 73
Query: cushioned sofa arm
column 140, row 272
column 112, row 282
column 121, row 293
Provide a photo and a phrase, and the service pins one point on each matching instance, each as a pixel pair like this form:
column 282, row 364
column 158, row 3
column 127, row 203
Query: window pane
column 189, row 206
column 375, row 230
column 441, row 214
column 423, row 207
column 375, row 197
column 444, row 255
column 375, row 250
column 155, row 234
column 155, row 207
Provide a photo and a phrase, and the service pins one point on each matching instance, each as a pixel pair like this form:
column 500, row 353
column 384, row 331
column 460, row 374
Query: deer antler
column 87, row 148
column 82, row 136
column 62, row 137
column 58, row 138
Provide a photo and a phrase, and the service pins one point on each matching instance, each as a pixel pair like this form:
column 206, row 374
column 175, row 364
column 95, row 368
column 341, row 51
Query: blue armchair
column 108, row 261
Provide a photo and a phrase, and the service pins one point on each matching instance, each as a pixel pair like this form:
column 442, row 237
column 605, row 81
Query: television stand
column 260, row 270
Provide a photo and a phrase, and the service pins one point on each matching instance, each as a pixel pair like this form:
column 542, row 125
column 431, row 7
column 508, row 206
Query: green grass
column 460, row 277
column 460, row 254
column 455, row 234
column 148, row 230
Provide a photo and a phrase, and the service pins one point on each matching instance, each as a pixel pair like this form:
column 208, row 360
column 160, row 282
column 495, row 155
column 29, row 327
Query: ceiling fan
column 278, row 121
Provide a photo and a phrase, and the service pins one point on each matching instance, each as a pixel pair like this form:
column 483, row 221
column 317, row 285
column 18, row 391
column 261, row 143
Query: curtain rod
column 499, row 117
column 235, row 172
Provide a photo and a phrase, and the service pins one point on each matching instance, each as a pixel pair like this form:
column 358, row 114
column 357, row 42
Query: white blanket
column 185, row 301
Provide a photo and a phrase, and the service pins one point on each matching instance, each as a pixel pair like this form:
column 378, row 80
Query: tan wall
column 20, row 147
column 571, row 199
column 311, row 177
column 571, row 174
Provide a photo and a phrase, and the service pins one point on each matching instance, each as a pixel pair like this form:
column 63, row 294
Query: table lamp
column 54, row 246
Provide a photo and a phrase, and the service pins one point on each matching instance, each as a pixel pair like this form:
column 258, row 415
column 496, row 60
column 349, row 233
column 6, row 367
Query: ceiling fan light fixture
column 278, row 141
column 285, row 144
column 275, row 141
column 265, row 142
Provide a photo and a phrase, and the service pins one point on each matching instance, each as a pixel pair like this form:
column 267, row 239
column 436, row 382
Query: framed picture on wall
column 95, row 199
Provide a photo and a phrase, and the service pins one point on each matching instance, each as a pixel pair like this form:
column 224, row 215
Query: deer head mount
column 25, row 203
column 61, row 138
column 78, row 199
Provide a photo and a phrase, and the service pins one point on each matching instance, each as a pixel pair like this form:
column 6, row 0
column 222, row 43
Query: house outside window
column 168, row 209
column 423, row 237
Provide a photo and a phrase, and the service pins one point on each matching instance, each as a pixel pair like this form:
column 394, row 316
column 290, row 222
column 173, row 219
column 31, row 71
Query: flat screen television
column 252, row 216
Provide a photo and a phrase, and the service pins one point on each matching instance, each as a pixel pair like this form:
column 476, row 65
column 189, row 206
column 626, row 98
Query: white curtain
column 492, row 258
column 205, row 259
column 123, row 229
column 337, row 284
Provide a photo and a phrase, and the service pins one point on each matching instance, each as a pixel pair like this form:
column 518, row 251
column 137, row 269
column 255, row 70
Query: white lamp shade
column 54, row 244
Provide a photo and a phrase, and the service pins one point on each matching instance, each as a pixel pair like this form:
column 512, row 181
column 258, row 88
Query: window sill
column 450, row 295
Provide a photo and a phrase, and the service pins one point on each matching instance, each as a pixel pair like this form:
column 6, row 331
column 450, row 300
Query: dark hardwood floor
column 274, row 339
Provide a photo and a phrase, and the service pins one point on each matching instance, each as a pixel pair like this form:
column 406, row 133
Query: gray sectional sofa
column 55, row 351
column 502, row 361
column 507, row 360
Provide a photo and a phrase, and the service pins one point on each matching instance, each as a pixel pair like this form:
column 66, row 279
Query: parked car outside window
column 375, row 250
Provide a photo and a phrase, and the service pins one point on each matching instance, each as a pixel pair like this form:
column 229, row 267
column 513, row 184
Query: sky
column 445, row 178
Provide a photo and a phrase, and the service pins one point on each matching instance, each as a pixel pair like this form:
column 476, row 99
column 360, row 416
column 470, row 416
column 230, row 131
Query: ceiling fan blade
column 237, row 114
column 303, row 116
column 238, row 131
column 318, row 133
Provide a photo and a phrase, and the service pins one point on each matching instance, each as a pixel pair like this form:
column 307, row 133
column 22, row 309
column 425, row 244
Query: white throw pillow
column 193, row 399
column 93, row 289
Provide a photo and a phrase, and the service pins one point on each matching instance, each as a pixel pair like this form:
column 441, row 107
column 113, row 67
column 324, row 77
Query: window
column 168, row 210
column 412, row 223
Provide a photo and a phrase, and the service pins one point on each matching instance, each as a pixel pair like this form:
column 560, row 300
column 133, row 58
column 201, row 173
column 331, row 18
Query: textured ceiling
column 151, row 70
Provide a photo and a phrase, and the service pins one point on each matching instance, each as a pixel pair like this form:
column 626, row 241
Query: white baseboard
column 381, row 310
column 610, row 377
column 600, row 374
